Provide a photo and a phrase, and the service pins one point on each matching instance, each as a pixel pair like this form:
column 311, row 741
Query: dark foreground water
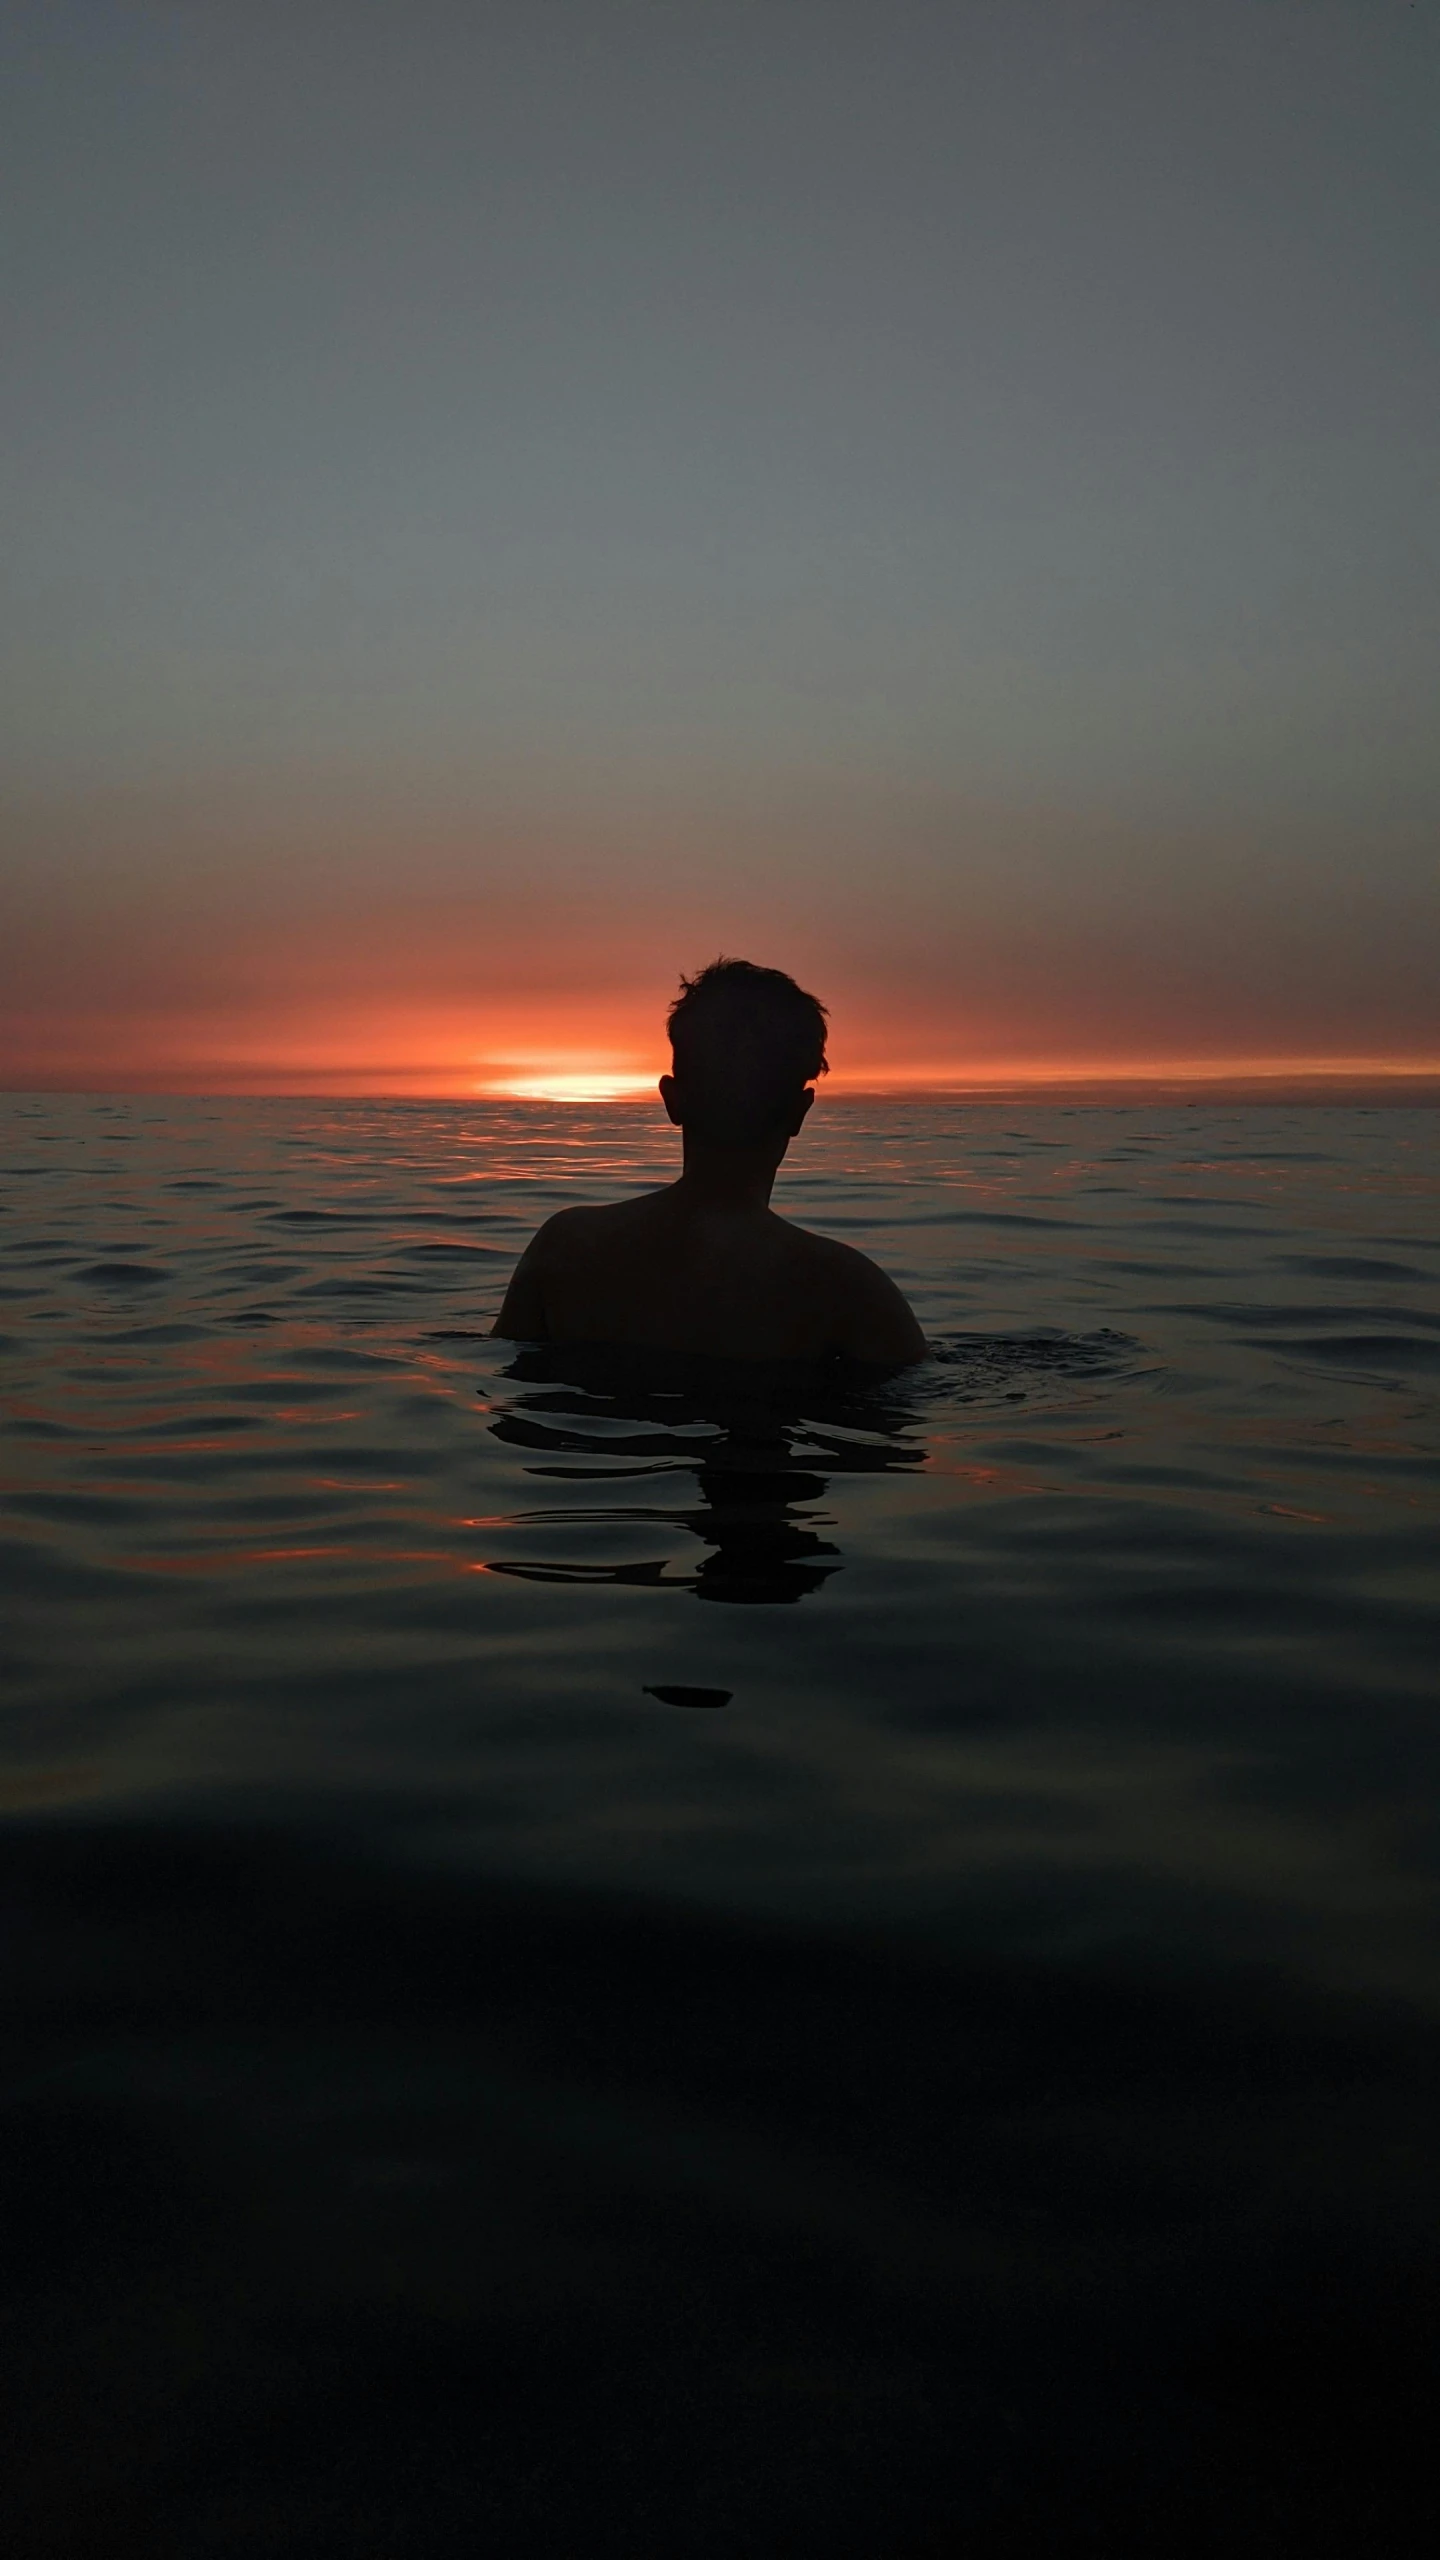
column 604, row 1961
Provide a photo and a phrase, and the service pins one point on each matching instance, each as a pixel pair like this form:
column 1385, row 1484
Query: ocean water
column 850, row 1936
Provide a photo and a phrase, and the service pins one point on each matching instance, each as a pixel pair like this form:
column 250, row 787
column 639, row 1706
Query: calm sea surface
column 1102, row 1645
column 1120, row 1616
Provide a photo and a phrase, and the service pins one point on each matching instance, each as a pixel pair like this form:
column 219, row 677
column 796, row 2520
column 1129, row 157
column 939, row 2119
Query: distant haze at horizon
column 507, row 505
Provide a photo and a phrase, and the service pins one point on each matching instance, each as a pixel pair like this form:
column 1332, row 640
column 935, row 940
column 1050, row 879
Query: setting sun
column 596, row 1084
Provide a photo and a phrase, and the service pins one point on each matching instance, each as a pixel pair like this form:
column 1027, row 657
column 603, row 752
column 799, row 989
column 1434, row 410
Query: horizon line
column 605, row 1082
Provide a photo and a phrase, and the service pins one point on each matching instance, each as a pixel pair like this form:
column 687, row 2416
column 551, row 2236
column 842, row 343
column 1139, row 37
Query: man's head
column 747, row 1044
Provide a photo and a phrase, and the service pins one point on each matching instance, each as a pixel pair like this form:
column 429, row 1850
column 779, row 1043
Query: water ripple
column 1149, row 1531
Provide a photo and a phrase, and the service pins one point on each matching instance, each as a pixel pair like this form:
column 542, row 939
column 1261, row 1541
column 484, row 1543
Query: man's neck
column 734, row 1179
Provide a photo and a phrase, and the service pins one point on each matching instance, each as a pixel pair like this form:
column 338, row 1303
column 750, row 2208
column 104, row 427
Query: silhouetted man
column 706, row 1266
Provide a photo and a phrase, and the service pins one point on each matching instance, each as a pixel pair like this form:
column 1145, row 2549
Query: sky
column 505, row 502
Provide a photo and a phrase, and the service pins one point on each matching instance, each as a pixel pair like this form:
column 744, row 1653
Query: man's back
column 706, row 1267
column 678, row 1274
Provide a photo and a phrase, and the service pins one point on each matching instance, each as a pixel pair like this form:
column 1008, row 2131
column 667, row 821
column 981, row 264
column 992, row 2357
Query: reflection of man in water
column 770, row 1443
column 706, row 1266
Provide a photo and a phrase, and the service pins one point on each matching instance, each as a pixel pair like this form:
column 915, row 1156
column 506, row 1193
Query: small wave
column 122, row 1275
column 1256, row 1318
column 457, row 1254
column 1349, row 1266
column 980, row 1364
column 1398, row 1351
column 338, row 1287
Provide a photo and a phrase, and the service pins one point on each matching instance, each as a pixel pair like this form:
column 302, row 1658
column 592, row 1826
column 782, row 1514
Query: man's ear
column 670, row 1096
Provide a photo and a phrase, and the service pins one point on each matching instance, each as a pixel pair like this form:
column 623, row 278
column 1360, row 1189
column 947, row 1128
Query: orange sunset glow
column 192, row 984
column 476, row 584
column 616, row 1054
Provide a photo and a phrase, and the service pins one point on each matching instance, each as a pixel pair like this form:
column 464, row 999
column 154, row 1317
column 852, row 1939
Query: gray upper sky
column 991, row 444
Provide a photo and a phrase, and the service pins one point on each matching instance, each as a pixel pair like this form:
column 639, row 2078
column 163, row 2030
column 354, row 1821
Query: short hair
column 746, row 1043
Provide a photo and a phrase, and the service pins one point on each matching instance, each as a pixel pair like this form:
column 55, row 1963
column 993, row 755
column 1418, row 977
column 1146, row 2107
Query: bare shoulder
column 572, row 1231
column 873, row 1317
column 560, row 1252
column 844, row 1262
